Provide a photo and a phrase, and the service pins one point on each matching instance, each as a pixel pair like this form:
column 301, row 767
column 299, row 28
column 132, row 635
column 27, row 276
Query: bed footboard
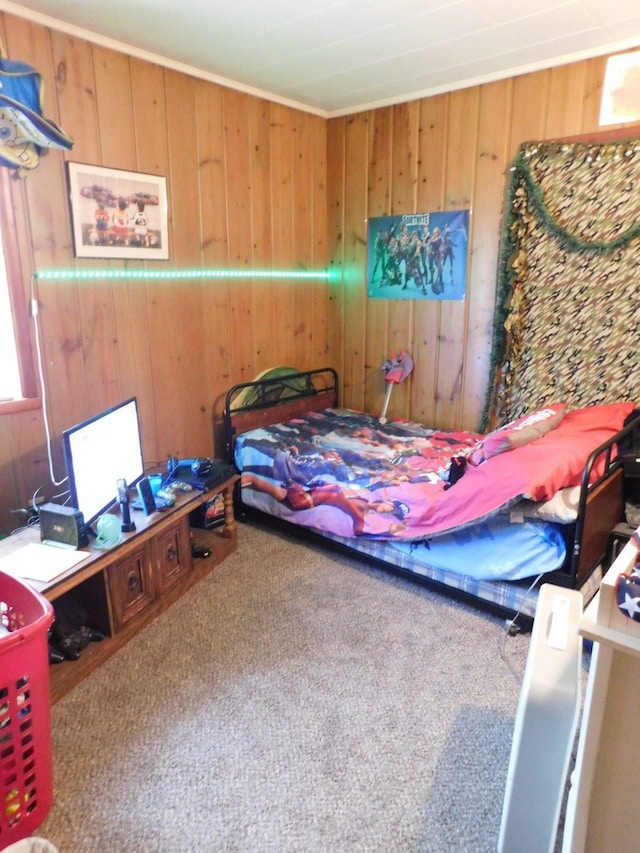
column 601, row 504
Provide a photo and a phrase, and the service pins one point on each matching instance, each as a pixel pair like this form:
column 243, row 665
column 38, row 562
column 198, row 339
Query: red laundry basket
column 26, row 778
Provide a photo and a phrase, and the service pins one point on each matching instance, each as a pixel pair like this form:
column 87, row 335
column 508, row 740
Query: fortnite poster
column 418, row 255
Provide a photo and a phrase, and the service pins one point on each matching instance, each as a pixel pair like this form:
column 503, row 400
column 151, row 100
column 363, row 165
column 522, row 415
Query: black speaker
column 62, row 525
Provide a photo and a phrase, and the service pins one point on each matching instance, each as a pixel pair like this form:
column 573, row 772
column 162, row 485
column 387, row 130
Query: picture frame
column 118, row 214
column 419, row 256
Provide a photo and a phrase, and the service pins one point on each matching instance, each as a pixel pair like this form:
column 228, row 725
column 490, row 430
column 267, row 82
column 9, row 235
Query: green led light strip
column 174, row 274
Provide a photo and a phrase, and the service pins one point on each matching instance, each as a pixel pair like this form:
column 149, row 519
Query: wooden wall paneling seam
column 182, row 156
column 24, row 470
column 461, row 162
column 302, row 205
column 441, row 206
column 486, row 218
column 564, row 110
column 403, row 198
column 114, row 108
column 151, row 115
column 63, row 335
column 115, row 99
column 592, row 94
column 356, row 141
column 193, row 401
column 238, row 194
column 32, row 464
column 319, row 257
column 140, row 374
column 11, row 474
column 112, row 74
column 15, row 271
column 265, row 306
column 78, row 96
column 95, row 297
column 404, row 164
column 16, row 476
column 377, row 344
column 336, row 198
column 433, row 124
column 282, row 198
column 530, row 101
column 212, row 205
column 19, row 265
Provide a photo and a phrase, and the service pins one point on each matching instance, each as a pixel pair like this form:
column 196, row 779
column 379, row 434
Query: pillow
column 561, row 508
column 518, row 433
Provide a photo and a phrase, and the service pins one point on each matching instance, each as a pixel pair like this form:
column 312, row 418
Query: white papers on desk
column 40, row 562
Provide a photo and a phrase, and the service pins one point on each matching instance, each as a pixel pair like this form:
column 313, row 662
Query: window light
column 10, row 385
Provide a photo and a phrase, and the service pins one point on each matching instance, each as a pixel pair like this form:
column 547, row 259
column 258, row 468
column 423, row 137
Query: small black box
column 218, row 472
column 62, row 525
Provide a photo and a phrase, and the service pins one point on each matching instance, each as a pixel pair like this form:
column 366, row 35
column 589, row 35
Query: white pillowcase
column 562, row 507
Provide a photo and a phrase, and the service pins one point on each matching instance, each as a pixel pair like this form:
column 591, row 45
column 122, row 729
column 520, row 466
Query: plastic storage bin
column 26, row 779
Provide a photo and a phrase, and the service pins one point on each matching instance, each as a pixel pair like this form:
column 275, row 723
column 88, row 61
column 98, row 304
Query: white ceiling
column 334, row 57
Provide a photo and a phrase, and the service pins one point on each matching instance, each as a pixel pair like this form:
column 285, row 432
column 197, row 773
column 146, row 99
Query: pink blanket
column 346, row 473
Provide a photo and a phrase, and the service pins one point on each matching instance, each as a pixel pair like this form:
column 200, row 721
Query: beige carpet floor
column 294, row 700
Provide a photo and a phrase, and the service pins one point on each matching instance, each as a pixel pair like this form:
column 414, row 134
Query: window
column 621, row 89
column 18, row 388
column 10, row 383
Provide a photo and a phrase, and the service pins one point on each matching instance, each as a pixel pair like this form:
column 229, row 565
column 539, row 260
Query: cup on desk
column 155, row 481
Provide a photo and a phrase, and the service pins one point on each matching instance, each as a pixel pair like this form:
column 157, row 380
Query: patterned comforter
column 346, row 473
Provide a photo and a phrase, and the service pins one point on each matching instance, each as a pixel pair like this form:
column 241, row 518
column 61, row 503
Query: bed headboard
column 277, row 395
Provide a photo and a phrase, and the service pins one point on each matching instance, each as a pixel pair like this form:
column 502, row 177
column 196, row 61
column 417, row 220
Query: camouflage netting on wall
column 568, row 303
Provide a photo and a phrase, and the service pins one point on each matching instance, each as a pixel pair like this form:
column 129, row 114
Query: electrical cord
column 34, row 504
column 32, row 521
column 65, row 494
column 36, row 324
column 510, row 629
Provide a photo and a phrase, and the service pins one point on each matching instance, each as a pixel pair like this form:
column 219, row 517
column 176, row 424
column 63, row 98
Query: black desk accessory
column 216, row 472
column 146, row 496
column 124, row 501
column 63, row 525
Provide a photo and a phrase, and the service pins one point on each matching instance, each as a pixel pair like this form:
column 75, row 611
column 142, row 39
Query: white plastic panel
column 545, row 725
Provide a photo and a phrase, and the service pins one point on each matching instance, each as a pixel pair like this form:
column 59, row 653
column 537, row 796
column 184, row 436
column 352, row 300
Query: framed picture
column 418, row 255
column 116, row 214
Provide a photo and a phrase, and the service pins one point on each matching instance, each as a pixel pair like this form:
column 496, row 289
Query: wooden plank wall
column 246, row 181
column 446, row 152
column 253, row 184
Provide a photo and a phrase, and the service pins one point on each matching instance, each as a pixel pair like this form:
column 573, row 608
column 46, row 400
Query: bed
column 486, row 517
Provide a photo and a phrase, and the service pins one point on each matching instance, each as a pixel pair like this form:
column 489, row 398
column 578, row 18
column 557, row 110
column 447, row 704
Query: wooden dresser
column 127, row 586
